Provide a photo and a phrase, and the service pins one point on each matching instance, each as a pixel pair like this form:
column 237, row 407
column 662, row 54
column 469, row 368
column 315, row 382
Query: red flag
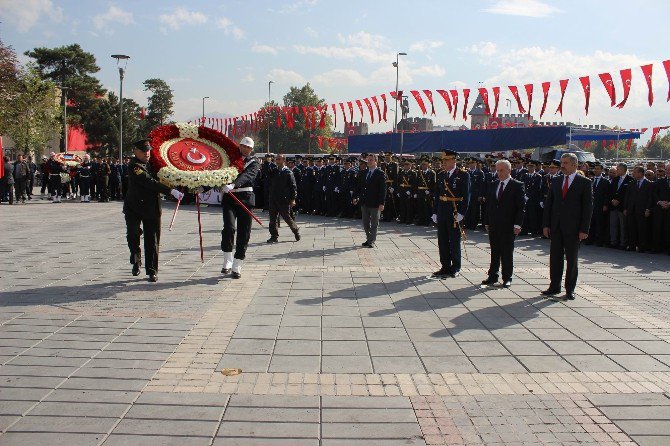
column 419, row 100
column 344, row 116
column 324, row 111
column 429, row 95
column 334, row 114
column 587, row 144
column 143, row 113
column 312, row 116
column 445, row 96
column 319, row 140
column 564, row 84
column 496, row 98
column 626, row 79
column 654, row 133
column 666, row 65
column 454, row 101
column 379, row 113
column 646, row 70
column 368, row 104
column 466, row 95
column 545, row 93
column 606, row 79
column 304, row 112
column 586, row 86
column 351, row 111
column 515, row 93
column 629, row 146
column 485, row 97
column 384, row 99
column 360, row 107
column 287, row 113
column 529, row 95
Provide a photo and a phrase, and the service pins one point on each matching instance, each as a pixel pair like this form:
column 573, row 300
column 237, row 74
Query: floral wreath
column 185, row 155
column 68, row 159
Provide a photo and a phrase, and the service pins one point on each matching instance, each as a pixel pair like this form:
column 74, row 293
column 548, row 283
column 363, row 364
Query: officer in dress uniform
column 306, row 192
column 425, row 186
column 390, row 169
column 55, row 169
column 142, row 206
column 234, row 217
column 332, row 187
column 406, row 192
column 533, row 184
column 473, row 217
column 452, row 197
column 347, row 186
column 84, row 179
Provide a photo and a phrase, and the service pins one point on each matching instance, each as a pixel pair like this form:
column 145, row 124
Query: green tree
column 299, row 139
column 9, row 69
column 103, row 126
column 32, row 116
column 160, row 104
column 658, row 148
column 71, row 68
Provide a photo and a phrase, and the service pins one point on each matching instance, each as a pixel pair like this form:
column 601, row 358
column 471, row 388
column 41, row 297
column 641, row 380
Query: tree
column 658, row 148
column 299, row 139
column 8, row 75
column 160, row 104
column 32, row 117
column 102, row 127
column 71, row 68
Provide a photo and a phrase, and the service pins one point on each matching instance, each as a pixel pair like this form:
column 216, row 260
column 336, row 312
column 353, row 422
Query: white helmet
column 246, row 141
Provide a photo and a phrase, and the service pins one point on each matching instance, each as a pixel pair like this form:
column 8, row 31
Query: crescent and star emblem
column 190, row 156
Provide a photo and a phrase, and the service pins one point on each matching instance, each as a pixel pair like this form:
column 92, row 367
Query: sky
column 230, row 50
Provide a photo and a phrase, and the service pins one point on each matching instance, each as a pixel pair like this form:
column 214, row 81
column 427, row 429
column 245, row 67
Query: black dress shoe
column 370, row 245
column 550, row 292
column 454, row 274
column 507, row 283
column 236, row 275
column 273, row 240
column 136, row 269
column 365, row 244
column 225, row 270
column 569, row 295
column 441, row 273
column 297, row 236
column 153, row 278
column 490, row 281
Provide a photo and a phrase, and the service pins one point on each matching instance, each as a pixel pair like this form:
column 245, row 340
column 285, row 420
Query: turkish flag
column 629, row 146
column 419, row 100
column 515, row 93
column 626, row 79
column 379, row 113
column 586, row 86
column 646, row 70
column 343, row 114
column 496, row 98
column 368, row 104
column 351, row 111
column 454, row 101
column 324, row 111
column 466, row 95
column 564, row 84
column 654, row 133
column 666, row 65
column 334, row 114
column 445, row 96
column 385, row 108
column 545, row 94
column 483, row 92
column 606, row 79
column 306, row 114
column 360, row 107
column 529, row 95
column 429, row 95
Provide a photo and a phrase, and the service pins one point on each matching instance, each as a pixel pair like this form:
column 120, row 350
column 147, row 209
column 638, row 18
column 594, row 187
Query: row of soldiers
column 635, row 218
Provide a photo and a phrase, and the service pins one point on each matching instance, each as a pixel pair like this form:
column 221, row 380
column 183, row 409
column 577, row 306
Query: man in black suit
column 638, row 203
column 566, row 221
column 505, row 207
column 618, row 235
column 283, row 193
column 533, row 188
column 601, row 194
column 371, row 193
column 661, row 212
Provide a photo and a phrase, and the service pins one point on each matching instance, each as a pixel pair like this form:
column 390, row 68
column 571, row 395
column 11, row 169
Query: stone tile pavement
column 337, row 344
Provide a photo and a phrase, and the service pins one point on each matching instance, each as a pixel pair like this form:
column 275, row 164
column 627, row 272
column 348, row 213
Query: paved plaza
column 338, row 344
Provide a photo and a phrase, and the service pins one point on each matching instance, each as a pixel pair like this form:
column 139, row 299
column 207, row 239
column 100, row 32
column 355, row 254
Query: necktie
column 639, row 184
column 500, row 190
column 565, row 187
column 369, row 175
column 595, row 185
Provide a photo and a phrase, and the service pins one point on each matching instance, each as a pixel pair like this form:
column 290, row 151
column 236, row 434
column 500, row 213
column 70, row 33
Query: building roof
column 478, row 108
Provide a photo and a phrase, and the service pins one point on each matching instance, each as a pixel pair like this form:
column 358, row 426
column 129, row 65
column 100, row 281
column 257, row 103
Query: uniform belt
column 83, row 176
column 405, row 185
column 389, row 181
column 244, row 189
column 54, row 174
column 423, row 188
column 446, row 198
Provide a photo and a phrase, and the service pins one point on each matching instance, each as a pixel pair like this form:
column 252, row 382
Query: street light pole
column 203, row 109
column 65, row 117
column 122, row 71
column 267, row 148
column 395, row 112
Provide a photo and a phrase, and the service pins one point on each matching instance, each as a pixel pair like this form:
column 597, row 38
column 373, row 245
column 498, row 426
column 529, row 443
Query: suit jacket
column 601, row 193
column 372, row 192
column 571, row 215
column 283, row 188
column 619, row 192
column 502, row 215
column 639, row 199
column 662, row 190
column 143, row 195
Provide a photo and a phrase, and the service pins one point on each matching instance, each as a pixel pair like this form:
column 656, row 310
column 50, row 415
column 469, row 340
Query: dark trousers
column 563, row 249
column 20, row 188
column 283, row 210
column 45, row 183
column 6, row 192
column 533, row 218
column 638, row 227
column 235, row 220
column 502, row 251
column 424, row 207
column 661, row 237
column 405, row 211
column 473, row 216
column 84, row 186
column 55, row 185
column 151, row 228
column 103, row 188
column 30, row 185
column 390, row 210
column 598, row 230
column 449, row 243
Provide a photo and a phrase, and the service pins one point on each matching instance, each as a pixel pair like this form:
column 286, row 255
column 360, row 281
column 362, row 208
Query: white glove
column 175, row 193
column 324, row 188
column 227, row 188
column 337, row 189
column 459, row 217
column 542, row 204
column 390, row 189
column 427, row 192
column 434, row 218
column 415, row 196
column 409, row 192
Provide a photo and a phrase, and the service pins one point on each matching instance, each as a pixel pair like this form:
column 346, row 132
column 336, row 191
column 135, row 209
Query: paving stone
column 50, row 438
column 77, row 424
column 344, row 348
column 166, row 427
column 268, row 430
column 397, row 364
column 152, row 440
column 346, row 364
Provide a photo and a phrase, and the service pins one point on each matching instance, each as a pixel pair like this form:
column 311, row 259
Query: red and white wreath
column 68, row 159
column 185, row 155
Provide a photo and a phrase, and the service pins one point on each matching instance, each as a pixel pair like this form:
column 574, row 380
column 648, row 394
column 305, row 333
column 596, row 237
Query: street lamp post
column 122, row 71
column 267, row 149
column 203, row 109
column 65, row 116
column 395, row 113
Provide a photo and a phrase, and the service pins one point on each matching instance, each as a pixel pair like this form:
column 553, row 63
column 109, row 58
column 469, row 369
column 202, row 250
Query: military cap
column 387, row 153
column 449, row 155
column 363, row 160
column 143, row 145
column 364, row 155
column 436, row 158
column 298, row 157
column 597, row 164
column 534, row 163
column 425, row 159
column 555, row 163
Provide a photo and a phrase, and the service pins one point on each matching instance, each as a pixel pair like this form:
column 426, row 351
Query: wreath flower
column 68, row 159
column 185, row 155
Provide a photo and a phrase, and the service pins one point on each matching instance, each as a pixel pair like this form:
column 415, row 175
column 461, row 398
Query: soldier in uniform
column 390, row 169
column 84, row 177
column 473, row 217
column 425, row 187
column 142, row 206
column 602, row 187
column 452, row 197
column 406, row 192
column 320, row 174
column 306, row 191
column 332, row 187
column 347, row 187
column 533, row 186
column 55, row 169
column 235, row 219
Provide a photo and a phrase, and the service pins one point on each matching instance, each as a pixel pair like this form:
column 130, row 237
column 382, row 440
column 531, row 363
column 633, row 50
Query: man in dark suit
column 505, row 206
column 371, row 194
column 473, row 218
column 566, row 221
column 283, row 193
column 533, row 189
column 661, row 212
column 618, row 233
column 638, row 203
column 601, row 194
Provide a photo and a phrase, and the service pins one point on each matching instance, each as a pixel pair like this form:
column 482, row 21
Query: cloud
column 182, row 17
column 341, row 77
column 229, row 28
column 248, row 78
column 264, row 49
column 113, row 14
column 311, row 32
column 483, row 49
column 279, row 75
column 296, row 6
column 428, row 71
column 360, row 46
column 26, row 13
column 524, row 8
column 425, row 45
